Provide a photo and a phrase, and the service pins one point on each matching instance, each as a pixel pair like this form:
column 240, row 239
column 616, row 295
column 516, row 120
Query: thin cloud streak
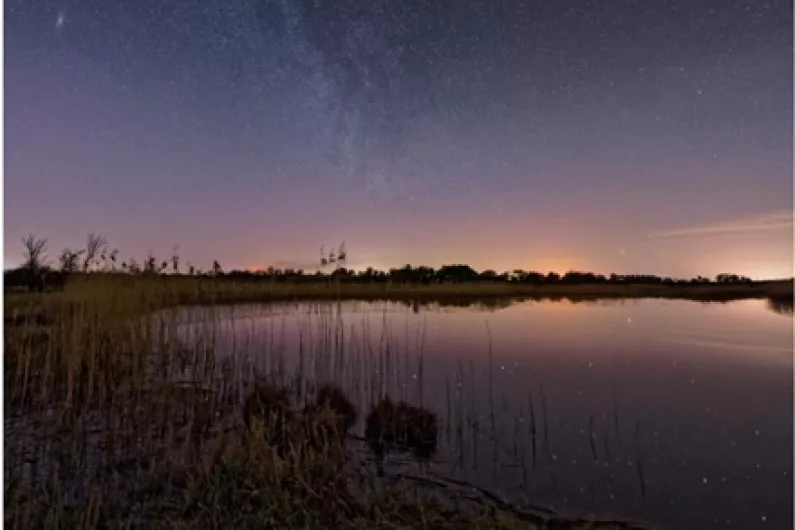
column 759, row 223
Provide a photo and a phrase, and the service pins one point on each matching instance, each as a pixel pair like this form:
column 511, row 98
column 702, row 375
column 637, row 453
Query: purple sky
column 648, row 137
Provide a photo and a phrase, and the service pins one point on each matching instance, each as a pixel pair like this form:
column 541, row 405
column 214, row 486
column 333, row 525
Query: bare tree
column 95, row 246
column 34, row 252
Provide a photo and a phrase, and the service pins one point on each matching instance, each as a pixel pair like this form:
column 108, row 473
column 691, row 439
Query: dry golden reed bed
column 143, row 291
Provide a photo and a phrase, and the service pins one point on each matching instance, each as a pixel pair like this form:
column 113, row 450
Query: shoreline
column 163, row 291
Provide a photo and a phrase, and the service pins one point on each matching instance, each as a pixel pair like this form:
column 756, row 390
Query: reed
column 120, row 412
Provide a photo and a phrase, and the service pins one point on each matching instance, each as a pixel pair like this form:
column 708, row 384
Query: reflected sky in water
column 669, row 411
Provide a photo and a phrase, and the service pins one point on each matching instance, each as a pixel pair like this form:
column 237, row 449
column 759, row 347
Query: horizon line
column 313, row 272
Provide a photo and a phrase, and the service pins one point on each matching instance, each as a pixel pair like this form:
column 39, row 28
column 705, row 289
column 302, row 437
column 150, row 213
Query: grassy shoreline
column 167, row 291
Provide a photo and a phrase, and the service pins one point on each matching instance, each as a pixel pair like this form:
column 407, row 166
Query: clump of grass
column 403, row 427
column 327, row 421
column 298, row 435
column 269, row 404
column 333, row 398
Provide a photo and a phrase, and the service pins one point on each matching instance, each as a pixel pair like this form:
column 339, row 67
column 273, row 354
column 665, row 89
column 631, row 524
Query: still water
column 675, row 413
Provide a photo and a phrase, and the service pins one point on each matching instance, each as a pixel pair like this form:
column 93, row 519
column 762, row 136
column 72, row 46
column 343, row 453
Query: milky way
column 559, row 134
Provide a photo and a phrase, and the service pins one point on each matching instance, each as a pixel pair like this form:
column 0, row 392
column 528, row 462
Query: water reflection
column 782, row 306
column 666, row 410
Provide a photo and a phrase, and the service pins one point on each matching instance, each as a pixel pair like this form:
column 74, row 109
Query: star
column 61, row 20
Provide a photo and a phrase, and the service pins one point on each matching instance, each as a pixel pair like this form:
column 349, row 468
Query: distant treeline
column 37, row 274
column 452, row 274
column 45, row 278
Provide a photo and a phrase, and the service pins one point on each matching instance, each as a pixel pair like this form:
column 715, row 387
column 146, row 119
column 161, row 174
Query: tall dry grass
column 121, row 414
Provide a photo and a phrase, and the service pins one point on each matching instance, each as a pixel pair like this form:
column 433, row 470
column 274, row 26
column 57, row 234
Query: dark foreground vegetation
column 110, row 425
column 111, row 422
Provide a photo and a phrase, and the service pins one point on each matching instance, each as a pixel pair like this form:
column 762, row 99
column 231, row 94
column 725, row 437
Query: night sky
column 642, row 136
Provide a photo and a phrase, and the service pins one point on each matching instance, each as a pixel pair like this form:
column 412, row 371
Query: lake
column 675, row 413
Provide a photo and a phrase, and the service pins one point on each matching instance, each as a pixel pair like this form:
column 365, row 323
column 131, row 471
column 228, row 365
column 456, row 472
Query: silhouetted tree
column 34, row 257
column 457, row 273
column 488, row 274
column 33, row 269
column 425, row 274
column 534, row 278
column 95, row 246
column 576, row 277
column 731, row 278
